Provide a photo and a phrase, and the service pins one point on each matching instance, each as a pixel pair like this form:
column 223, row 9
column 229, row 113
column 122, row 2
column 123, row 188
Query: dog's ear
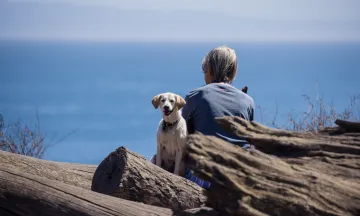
column 156, row 100
column 245, row 89
column 180, row 102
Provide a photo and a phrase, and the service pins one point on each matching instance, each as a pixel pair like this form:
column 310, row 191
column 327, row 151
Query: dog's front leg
column 178, row 158
column 158, row 153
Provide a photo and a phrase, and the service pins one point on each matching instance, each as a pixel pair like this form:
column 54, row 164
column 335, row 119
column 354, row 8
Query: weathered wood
column 23, row 194
column 74, row 174
column 348, row 126
column 305, row 174
column 155, row 190
column 130, row 176
column 288, row 143
column 311, row 174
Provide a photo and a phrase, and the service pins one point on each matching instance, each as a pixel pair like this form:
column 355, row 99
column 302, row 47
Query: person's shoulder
column 249, row 99
column 245, row 96
column 252, row 102
column 196, row 92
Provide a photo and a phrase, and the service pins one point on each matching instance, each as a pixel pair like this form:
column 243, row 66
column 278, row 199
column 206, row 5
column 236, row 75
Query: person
column 217, row 98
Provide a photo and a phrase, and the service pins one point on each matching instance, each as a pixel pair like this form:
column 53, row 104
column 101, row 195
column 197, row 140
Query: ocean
column 103, row 90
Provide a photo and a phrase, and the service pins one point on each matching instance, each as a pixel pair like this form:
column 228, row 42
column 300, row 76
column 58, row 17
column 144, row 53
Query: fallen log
column 79, row 175
column 23, row 194
column 290, row 144
column 182, row 195
column 348, row 126
column 314, row 151
column 130, row 176
column 306, row 174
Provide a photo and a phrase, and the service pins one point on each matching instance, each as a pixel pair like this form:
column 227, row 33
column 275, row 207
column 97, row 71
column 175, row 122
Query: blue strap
column 202, row 183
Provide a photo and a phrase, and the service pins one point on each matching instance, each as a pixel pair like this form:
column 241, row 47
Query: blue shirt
column 206, row 103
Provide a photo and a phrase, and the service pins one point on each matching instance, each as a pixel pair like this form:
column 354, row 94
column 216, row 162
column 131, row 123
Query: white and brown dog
column 171, row 133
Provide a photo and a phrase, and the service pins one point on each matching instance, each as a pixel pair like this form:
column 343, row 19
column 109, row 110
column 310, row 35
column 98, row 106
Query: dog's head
column 168, row 102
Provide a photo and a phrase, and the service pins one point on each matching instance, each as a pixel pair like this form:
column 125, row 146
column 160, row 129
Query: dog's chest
column 172, row 140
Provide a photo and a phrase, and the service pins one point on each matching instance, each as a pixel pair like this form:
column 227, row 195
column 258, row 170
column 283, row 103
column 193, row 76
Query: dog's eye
column 171, row 101
column 163, row 100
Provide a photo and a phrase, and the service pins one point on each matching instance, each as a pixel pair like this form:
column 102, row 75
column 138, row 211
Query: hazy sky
column 181, row 20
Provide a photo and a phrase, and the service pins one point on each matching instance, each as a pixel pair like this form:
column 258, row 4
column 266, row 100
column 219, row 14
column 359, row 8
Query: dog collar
column 166, row 125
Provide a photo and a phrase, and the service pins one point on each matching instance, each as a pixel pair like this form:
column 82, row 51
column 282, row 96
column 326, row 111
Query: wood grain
column 127, row 175
column 23, row 194
column 301, row 174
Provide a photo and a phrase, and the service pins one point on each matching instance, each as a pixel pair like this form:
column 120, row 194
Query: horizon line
column 198, row 41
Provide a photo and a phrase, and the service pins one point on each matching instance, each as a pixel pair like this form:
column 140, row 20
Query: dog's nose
column 166, row 107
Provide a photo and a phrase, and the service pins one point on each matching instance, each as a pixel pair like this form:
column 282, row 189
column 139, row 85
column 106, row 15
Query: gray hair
column 222, row 63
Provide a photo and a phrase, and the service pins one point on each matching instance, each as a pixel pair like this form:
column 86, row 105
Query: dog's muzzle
column 167, row 112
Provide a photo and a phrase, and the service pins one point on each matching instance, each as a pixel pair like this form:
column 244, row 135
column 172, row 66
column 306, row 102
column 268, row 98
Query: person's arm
column 251, row 114
column 251, row 117
column 251, row 109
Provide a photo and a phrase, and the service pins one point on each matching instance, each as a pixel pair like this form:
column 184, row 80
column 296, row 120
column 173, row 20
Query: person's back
column 216, row 100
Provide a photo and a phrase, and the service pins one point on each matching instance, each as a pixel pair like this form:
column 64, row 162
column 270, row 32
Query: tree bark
column 301, row 174
column 127, row 175
column 23, row 194
column 79, row 175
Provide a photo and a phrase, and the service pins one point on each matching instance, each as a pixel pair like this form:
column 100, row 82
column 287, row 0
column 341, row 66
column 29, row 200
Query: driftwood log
column 79, row 175
column 23, row 194
column 30, row 186
column 289, row 174
column 301, row 174
column 130, row 176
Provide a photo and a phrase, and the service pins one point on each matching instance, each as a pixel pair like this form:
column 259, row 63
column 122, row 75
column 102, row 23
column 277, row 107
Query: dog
column 171, row 133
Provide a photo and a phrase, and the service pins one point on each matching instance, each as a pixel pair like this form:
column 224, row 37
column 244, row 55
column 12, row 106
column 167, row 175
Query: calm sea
column 104, row 90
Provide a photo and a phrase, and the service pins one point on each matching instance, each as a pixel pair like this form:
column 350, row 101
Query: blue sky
column 186, row 20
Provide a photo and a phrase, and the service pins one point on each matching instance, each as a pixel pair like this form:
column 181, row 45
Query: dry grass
column 318, row 116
